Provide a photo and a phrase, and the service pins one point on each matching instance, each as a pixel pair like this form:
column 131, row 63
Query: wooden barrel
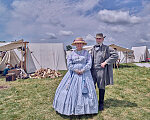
column 11, row 77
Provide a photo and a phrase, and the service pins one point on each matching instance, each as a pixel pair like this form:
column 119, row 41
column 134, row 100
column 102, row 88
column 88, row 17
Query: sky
column 124, row 22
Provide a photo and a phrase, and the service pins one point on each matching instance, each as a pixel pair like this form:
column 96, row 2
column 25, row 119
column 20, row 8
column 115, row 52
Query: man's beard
column 100, row 43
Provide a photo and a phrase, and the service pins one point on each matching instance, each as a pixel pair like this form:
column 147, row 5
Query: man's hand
column 103, row 64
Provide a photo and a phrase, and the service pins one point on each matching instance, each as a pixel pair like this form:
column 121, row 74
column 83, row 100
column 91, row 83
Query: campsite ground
column 31, row 99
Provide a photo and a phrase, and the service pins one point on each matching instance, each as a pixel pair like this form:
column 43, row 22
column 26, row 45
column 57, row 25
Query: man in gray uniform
column 103, row 58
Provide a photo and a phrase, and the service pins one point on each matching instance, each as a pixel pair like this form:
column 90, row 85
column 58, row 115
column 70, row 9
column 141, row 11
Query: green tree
column 2, row 41
column 68, row 47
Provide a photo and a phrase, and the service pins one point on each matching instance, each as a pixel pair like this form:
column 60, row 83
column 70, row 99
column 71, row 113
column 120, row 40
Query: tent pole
column 25, row 56
column 21, row 59
column 126, row 57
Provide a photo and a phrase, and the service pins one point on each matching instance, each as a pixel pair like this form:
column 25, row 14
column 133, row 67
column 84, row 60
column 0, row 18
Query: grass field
column 31, row 99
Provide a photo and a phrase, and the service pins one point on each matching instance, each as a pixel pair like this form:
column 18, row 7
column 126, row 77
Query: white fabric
column 123, row 56
column 67, row 53
column 48, row 55
column 140, row 53
column 88, row 48
column 30, row 66
column 149, row 53
column 10, row 57
column 43, row 55
column 126, row 57
column 14, row 57
column 0, row 56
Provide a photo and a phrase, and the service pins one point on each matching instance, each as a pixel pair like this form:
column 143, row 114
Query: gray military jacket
column 104, row 53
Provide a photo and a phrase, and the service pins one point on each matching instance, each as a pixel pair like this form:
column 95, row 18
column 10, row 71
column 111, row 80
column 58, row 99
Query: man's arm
column 113, row 56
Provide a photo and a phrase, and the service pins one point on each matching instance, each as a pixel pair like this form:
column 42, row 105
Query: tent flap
column 10, row 57
column 30, row 66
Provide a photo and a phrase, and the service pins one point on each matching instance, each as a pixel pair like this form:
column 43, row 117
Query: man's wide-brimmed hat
column 79, row 40
column 100, row 35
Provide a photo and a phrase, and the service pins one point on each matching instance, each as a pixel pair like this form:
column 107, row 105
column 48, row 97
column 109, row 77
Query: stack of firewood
column 45, row 73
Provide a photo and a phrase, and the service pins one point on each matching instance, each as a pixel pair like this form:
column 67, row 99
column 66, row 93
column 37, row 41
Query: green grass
column 31, row 99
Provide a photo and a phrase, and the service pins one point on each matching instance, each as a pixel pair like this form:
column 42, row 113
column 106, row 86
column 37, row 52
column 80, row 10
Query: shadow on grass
column 118, row 103
column 77, row 117
column 1, row 76
column 128, row 65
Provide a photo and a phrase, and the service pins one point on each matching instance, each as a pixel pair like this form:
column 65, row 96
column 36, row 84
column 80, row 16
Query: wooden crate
column 10, row 77
column 16, row 71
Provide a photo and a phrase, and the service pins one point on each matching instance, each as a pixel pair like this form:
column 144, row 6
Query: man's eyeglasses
column 99, row 38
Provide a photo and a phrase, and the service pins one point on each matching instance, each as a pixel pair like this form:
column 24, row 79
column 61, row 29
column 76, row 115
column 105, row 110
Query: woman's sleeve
column 70, row 63
column 88, row 62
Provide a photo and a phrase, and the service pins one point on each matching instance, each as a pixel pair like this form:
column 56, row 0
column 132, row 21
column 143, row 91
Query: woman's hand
column 79, row 72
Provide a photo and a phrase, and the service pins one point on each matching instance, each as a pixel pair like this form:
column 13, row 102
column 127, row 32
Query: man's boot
column 101, row 99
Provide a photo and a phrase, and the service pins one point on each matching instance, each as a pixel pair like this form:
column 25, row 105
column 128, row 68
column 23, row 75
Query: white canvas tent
column 149, row 53
column 41, row 55
column 88, row 48
column 140, row 53
column 125, row 55
column 13, row 58
column 48, row 55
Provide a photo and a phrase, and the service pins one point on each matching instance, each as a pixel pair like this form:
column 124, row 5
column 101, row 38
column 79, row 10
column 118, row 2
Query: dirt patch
column 3, row 87
column 148, row 94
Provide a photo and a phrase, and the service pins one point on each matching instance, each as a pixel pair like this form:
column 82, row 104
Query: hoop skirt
column 69, row 97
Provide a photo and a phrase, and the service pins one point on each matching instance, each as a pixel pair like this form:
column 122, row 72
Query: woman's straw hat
column 79, row 40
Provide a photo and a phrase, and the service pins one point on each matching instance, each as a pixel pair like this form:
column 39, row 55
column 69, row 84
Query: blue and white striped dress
column 69, row 99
